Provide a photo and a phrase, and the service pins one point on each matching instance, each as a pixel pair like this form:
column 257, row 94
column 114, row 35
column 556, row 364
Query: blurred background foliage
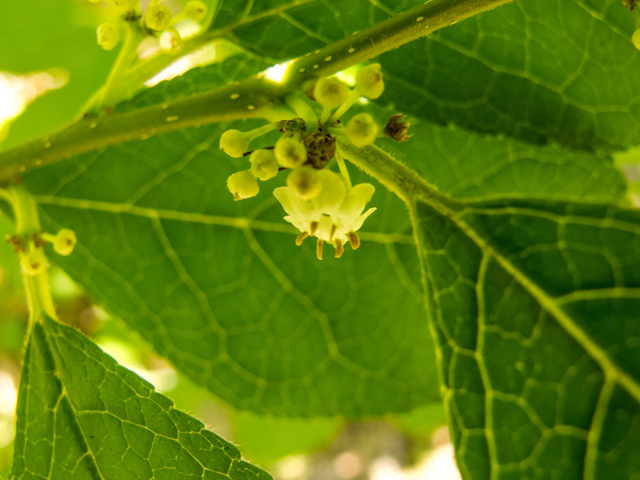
column 51, row 70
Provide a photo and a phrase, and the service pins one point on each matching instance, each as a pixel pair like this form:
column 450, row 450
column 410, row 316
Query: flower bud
column 108, row 36
column 170, row 41
column 243, row 185
column 264, row 164
column 34, row 262
column 305, row 183
column 290, row 153
column 362, row 130
column 635, row 39
column 195, row 10
column 331, row 92
column 235, row 143
column 64, row 242
column 157, row 17
column 369, row 81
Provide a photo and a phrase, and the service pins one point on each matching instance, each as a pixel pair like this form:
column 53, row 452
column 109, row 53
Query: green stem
column 396, row 176
column 27, row 223
column 254, row 97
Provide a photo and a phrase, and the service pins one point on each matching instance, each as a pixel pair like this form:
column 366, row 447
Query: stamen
column 339, row 248
column 354, row 240
column 319, row 246
column 313, row 227
column 301, row 238
column 334, row 229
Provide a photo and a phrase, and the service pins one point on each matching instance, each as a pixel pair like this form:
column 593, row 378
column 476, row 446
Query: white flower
column 333, row 216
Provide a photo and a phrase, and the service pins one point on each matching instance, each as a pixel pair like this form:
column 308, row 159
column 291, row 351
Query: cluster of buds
column 31, row 252
column 318, row 201
column 157, row 20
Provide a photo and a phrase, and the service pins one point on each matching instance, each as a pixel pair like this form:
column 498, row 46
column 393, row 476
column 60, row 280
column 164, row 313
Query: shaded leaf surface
column 535, row 305
column 83, row 416
column 551, row 70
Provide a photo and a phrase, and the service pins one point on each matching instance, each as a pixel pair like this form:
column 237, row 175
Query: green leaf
column 284, row 29
column 83, row 416
column 220, row 289
column 541, row 71
column 535, row 305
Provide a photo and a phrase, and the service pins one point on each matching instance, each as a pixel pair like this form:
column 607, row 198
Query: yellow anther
column 301, row 238
column 339, row 248
column 334, row 229
column 354, row 240
column 319, row 246
column 313, row 227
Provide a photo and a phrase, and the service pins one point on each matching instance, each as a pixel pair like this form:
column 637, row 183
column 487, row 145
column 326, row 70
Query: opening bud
column 264, row 164
column 290, row 153
column 243, row 185
column 369, row 81
column 170, row 41
column 195, row 10
column 157, row 17
column 331, row 92
column 362, row 130
column 64, row 242
column 34, row 262
column 305, row 183
column 108, row 36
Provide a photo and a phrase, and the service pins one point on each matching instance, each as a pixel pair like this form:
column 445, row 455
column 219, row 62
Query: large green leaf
column 535, row 307
column 549, row 70
column 220, row 288
column 83, row 416
column 283, row 29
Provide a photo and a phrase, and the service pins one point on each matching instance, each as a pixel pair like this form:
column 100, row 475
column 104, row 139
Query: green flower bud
column 635, row 39
column 235, row 143
column 369, row 81
column 330, row 92
column 362, row 130
column 243, row 185
column 108, row 36
column 170, row 41
column 34, row 262
column 157, row 17
column 305, row 183
column 195, row 10
column 64, row 242
column 290, row 153
column 264, row 164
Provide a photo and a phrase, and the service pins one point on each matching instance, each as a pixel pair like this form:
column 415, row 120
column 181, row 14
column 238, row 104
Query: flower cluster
column 318, row 201
column 157, row 21
column 32, row 257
